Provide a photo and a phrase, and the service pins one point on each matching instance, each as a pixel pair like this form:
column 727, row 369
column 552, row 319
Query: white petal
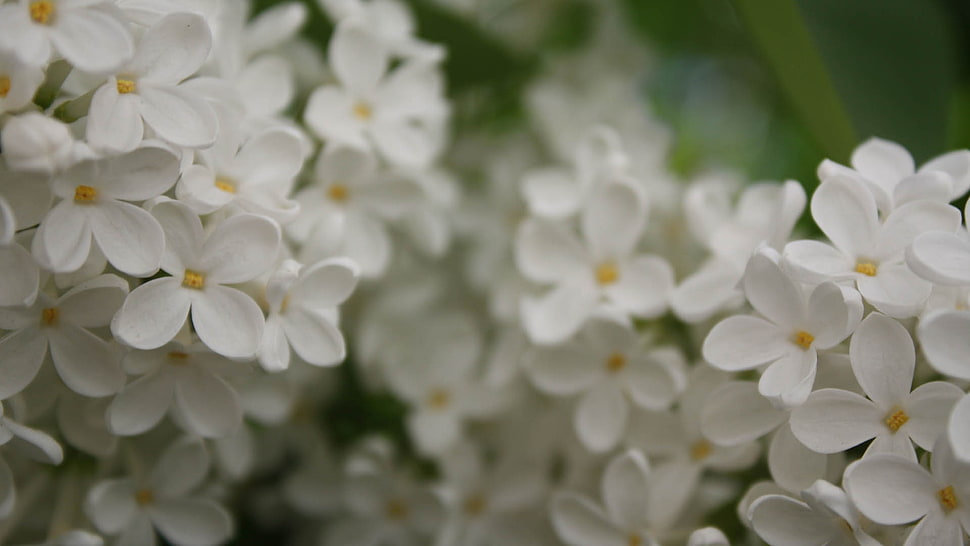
column 138, row 532
column 183, row 236
column 559, row 313
column 271, row 158
column 326, row 284
column 141, row 404
column 934, row 186
column 889, row 489
column 744, row 342
column 111, row 504
column 267, row 84
column 551, row 193
column 228, row 321
column 173, row 49
column 938, row 530
column 209, row 405
column 792, row 465
column 365, row 241
column 130, row 238
column 142, row 174
column 782, row 520
column 883, row 359
column 833, row 420
column 35, row 444
column 736, row 413
column 882, row 161
column 957, row 165
column 178, row 116
column 772, row 292
column 563, row 369
column 240, row 249
column 958, row 429
column 357, row 58
column 190, row 521
column 643, row 286
column 182, row 466
column 650, row 383
column 63, row 241
column 578, row 522
column 433, row 431
column 815, row 262
column 895, row 290
column 94, row 302
column 705, row 291
column 940, row 257
column 788, row 381
column 87, row 364
column 152, row 314
column 910, row 220
column 28, row 194
column 274, row 350
column 329, row 114
column 547, row 252
column 707, row 536
column 21, row 355
column 834, row 311
column 613, row 219
column 404, row 143
column 625, row 489
column 601, row 417
column 92, row 40
column 928, row 408
column 314, row 338
column 114, row 121
column 943, row 340
column 846, row 212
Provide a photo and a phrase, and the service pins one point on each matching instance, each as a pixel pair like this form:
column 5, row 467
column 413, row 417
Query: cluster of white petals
column 554, row 342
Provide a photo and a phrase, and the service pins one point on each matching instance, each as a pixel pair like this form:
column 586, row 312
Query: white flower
column 892, row 490
column 93, row 205
column 190, row 379
column 302, row 313
column 35, row 142
column 391, row 23
column 147, row 91
column 888, row 171
column 17, row 268
column 398, row 113
column 88, row 33
column 825, row 518
column 239, row 249
column 607, row 267
column 163, row 501
column 788, row 338
column 255, row 177
column 608, row 364
column 867, row 251
column 883, row 361
column 88, row 365
column 18, row 82
column 631, row 503
column 708, row 536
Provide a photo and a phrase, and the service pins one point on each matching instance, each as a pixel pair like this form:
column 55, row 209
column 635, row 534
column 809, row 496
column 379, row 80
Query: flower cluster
column 575, row 346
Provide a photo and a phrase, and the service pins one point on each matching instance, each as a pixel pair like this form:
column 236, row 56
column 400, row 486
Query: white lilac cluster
column 588, row 351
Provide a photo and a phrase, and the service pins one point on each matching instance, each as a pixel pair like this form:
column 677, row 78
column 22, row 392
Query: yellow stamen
column 635, row 540
column 866, row 268
column 225, row 184
column 896, row 419
column 607, row 273
column 178, row 358
column 48, row 317
column 41, row 11
column 126, row 86
column 363, row 111
column 474, row 505
column 948, row 498
column 396, row 510
column 615, row 362
column 338, row 193
column 803, row 339
column 193, row 279
column 85, row 194
column 701, row 450
column 144, row 497
column 4, row 86
column 439, row 399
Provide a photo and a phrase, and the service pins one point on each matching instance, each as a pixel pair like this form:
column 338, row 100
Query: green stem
column 57, row 72
column 75, row 109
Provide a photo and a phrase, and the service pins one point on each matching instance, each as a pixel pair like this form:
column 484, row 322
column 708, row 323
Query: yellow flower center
column 144, row 497
column 607, row 273
column 474, row 505
column 363, row 111
column 866, row 268
column 615, row 362
column 41, row 11
column 803, row 339
column 396, row 510
column 85, row 194
column 226, row 184
column 948, row 498
column 4, row 86
column 701, row 450
column 126, row 86
column 439, row 399
column 635, row 540
column 896, row 418
column 193, row 279
column 338, row 192
column 48, row 317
